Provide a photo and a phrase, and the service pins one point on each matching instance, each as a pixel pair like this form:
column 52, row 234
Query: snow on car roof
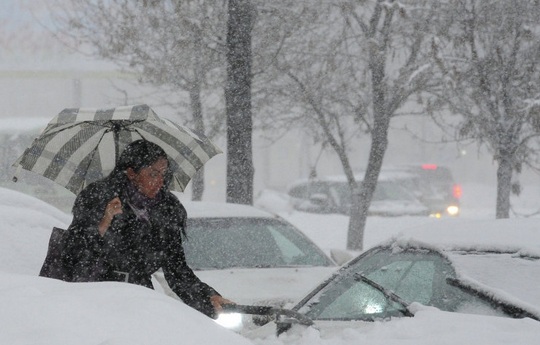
column 12, row 199
column 516, row 235
column 203, row 209
column 506, row 276
column 499, row 257
column 359, row 176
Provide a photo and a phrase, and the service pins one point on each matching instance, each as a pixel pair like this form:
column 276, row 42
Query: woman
column 128, row 225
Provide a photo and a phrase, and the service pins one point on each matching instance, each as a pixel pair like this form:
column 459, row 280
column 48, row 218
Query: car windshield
column 390, row 190
column 351, row 298
column 219, row 243
column 436, row 182
column 418, row 275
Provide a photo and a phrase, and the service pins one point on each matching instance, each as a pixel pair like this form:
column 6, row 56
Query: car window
column 306, row 190
column 385, row 190
column 351, row 299
column 218, row 243
column 289, row 250
column 389, row 190
column 438, row 181
column 299, row 191
column 309, row 189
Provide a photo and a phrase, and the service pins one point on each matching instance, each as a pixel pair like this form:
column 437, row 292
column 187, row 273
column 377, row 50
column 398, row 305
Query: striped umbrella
column 81, row 145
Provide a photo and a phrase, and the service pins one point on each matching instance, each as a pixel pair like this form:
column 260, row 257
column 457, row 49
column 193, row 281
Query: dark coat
column 131, row 245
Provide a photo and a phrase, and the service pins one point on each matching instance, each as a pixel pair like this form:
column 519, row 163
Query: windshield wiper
column 387, row 293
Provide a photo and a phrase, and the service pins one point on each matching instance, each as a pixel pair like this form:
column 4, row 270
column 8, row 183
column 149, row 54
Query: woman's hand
column 218, row 301
column 113, row 208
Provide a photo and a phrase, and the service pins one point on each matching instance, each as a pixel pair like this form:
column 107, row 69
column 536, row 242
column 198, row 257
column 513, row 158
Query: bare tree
column 491, row 76
column 172, row 43
column 354, row 66
column 194, row 47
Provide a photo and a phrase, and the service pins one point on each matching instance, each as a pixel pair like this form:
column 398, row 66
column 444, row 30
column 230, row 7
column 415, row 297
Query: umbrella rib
column 46, row 133
column 95, row 150
column 138, row 132
column 93, row 154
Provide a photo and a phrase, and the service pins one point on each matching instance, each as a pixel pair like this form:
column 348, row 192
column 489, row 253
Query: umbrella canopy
column 81, row 145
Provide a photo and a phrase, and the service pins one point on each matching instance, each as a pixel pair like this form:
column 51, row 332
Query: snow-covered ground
column 43, row 311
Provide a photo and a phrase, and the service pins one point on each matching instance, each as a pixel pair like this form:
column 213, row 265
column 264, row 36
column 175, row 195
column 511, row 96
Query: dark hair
column 137, row 155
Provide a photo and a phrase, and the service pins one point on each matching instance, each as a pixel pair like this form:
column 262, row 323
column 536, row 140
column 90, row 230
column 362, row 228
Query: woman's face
column 149, row 180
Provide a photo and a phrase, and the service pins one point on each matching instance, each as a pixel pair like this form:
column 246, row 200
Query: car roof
column 517, row 235
column 204, row 209
column 506, row 275
column 12, row 198
column 396, row 172
column 359, row 176
column 501, row 258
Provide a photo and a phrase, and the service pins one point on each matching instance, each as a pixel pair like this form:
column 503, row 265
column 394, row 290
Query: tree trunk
column 379, row 142
column 357, row 221
column 364, row 193
column 238, row 103
column 197, row 184
column 504, row 186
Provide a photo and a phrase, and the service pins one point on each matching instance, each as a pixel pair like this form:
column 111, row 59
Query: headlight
column 452, row 210
column 231, row 321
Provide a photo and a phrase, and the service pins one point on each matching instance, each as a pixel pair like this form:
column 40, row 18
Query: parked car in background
column 333, row 195
column 403, row 276
column 250, row 256
column 432, row 184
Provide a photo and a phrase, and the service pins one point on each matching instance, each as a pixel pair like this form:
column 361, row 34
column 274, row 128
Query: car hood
column 265, row 285
column 258, row 286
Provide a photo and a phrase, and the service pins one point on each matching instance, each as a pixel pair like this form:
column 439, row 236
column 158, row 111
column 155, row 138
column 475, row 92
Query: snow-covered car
column 251, row 256
column 332, row 194
column 25, row 230
column 432, row 184
column 404, row 277
column 38, row 310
